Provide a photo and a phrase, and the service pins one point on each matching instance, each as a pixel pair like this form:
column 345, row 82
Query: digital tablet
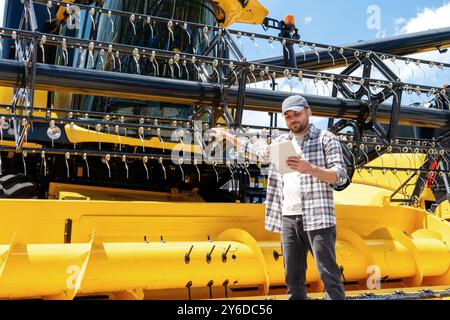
column 279, row 153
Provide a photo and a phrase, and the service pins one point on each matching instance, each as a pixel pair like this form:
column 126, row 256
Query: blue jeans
column 295, row 244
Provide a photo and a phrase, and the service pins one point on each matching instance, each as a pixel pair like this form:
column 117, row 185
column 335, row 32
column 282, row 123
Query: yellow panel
column 80, row 135
column 389, row 180
column 9, row 143
column 72, row 191
column 40, row 98
column 60, row 15
column 405, row 243
column 443, row 210
column 253, row 13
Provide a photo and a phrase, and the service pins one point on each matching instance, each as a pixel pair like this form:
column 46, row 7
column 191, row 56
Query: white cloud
column 399, row 20
column 426, row 19
column 308, row 20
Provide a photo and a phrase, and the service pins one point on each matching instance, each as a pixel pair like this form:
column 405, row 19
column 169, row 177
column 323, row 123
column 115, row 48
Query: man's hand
column 222, row 134
column 218, row 133
column 300, row 165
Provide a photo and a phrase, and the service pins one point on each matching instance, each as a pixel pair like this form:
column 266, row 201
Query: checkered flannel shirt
column 321, row 148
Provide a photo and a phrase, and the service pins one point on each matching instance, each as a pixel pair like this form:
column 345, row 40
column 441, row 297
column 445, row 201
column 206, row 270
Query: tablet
column 279, row 153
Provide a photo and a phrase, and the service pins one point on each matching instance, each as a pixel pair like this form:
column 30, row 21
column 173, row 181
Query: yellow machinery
column 105, row 242
column 253, row 13
column 228, row 11
column 135, row 249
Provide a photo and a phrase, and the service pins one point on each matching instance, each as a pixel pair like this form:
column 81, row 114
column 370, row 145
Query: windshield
column 119, row 29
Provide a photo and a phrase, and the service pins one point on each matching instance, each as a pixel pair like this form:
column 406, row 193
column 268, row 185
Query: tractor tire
column 18, row 186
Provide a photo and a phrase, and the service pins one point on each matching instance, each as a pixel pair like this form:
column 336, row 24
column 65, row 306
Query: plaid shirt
column 320, row 148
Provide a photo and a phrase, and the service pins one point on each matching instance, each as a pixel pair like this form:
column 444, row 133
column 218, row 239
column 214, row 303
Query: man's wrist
column 316, row 171
column 313, row 170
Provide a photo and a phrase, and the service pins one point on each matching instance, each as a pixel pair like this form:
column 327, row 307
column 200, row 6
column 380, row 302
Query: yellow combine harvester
column 117, row 244
column 94, row 206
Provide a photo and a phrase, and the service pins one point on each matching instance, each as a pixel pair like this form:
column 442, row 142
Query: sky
column 347, row 21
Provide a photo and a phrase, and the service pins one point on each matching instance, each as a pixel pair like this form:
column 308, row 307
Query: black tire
column 18, row 186
column 9, row 180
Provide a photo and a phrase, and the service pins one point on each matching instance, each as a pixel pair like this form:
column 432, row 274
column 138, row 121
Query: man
column 300, row 204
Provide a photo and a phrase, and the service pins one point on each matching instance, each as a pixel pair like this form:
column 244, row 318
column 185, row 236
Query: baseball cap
column 294, row 103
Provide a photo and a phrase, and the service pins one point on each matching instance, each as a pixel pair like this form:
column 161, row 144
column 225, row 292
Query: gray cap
column 294, row 103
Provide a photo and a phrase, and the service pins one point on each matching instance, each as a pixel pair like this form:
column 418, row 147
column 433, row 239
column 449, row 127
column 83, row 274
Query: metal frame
column 26, row 51
column 227, row 87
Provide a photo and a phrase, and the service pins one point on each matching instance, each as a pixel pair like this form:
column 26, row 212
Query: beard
column 299, row 127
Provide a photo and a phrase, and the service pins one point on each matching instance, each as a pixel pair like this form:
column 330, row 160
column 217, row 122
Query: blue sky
column 348, row 21
column 338, row 22
column 344, row 21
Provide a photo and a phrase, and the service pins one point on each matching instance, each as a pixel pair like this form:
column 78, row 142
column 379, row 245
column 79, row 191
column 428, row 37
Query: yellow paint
column 79, row 192
column 390, row 180
column 253, row 13
column 81, row 135
column 244, row 237
column 10, row 143
column 61, row 11
column 406, row 243
column 40, row 97
column 443, row 210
